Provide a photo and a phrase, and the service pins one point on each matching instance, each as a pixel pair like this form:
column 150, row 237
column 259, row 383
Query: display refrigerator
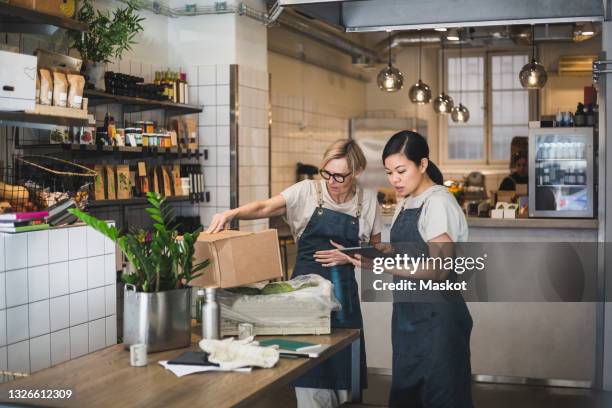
column 561, row 172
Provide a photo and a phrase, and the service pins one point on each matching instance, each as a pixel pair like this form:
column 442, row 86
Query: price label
column 142, row 169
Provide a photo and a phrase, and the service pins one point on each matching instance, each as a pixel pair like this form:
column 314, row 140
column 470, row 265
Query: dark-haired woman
column 431, row 337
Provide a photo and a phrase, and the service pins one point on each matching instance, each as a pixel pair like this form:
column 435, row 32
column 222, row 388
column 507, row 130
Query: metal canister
column 211, row 316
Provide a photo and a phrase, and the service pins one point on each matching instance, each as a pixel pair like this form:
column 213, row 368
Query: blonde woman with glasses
column 325, row 215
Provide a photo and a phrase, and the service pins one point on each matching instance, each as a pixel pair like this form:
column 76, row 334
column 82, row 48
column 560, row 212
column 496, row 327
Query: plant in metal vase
column 157, row 299
column 107, row 36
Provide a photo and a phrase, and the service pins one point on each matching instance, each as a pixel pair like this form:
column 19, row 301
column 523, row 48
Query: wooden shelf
column 131, row 201
column 21, row 18
column 132, row 104
column 82, row 150
column 39, row 121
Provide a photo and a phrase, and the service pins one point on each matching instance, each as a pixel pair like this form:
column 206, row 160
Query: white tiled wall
column 302, row 128
column 253, row 141
column 57, row 297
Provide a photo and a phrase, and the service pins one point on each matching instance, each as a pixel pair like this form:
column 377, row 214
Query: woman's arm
column 333, row 257
column 271, row 207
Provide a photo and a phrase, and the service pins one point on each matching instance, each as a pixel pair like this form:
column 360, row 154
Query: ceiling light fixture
column 453, row 35
column 443, row 104
column 420, row 92
column 390, row 79
column 533, row 75
column 460, row 113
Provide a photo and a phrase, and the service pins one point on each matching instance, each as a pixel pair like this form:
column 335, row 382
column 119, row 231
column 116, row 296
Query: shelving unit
column 21, row 19
column 132, row 201
column 132, row 104
column 124, row 152
column 38, row 121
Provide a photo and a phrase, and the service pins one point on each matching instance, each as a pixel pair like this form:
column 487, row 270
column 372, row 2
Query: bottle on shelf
column 579, row 119
column 590, row 116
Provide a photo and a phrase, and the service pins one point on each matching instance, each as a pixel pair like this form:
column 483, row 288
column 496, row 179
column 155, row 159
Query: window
column 487, row 84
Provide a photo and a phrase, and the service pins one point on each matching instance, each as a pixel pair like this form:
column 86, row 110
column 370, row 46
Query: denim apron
column 431, row 341
column 326, row 225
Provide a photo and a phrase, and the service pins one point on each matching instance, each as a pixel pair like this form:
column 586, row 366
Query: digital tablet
column 369, row 252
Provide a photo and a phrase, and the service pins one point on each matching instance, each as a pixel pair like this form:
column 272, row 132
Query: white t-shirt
column 301, row 201
column 440, row 214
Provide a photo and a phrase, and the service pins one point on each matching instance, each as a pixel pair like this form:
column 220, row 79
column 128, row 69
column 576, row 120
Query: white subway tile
column 16, row 249
column 207, row 136
column 223, row 75
column 206, row 215
column 77, row 275
column 16, row 324
column 212, row 157
column 208, row 117
column 3, row 355
column 223, row 95
column 95, row 242
column 111, row 330
column 59, row 313
column 40, row 353
column 18, row 357
column 109, row 246
column 194, row 98
column 191, row 71
column 2, row 327
column 16, row 287
column 60, row 346
column 212, row 192
column 223, row 196
column 223, row 176
column 210, row 176
column 38, row 248
column 223, row 156
column 96, row 303
column 39, row 318
column 2, row 291
column 110, row 274
column 95, row 272
column 79, row 343
column 110, row 303
column 206, row 75
column 59, row 282
column 97, row 335
column 207, row 95
column 77, row 242
column 2, row 256
column 223, row 136
column 78, row 308
column 223, row 115
column 38, row 283
column 58, row 245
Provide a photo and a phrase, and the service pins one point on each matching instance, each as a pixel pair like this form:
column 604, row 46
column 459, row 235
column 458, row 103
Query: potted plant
column 107, row 36
column 157, row 298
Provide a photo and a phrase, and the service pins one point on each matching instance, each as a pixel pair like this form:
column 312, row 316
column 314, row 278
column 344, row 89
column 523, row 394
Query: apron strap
column 319, row 193
column 359, row 201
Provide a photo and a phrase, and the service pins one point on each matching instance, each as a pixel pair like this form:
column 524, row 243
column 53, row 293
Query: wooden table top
column 106, row 379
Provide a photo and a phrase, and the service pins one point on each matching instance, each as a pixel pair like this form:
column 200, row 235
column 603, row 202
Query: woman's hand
column 332, row 257
column 220, row 221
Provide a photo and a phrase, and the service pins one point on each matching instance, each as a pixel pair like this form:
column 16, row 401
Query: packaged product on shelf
column 176, row 177
column 111, row 185
column 155, row 179
column 134, row 183
column 191, row 132
column 99, row 182
column 143, row 182
column 168, row 185
column 87, row 135
column 120, row 137
column 75, row 92
column 124, row 186
column 46, row 86
column 60, row 89
column 59, row 135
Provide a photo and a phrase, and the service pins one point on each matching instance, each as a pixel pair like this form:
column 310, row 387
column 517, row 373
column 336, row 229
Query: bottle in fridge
column 561, row 172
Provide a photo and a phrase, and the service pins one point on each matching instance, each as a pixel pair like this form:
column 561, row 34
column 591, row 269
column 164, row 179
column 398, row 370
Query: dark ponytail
column 415, row 148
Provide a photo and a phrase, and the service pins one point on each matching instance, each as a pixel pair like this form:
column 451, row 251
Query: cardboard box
column 238, row 258
column 99, row 182
column 111, row 185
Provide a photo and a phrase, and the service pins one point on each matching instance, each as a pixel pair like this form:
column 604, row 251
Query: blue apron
column 326, row 225
column 431, row 342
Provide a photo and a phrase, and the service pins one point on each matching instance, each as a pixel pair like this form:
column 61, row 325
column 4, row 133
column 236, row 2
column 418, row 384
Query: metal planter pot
column 161, row 320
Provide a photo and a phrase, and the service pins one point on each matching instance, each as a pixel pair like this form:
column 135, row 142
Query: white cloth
column 440, row 214
column 320, row 398
column 301, row 201
column 231, row 354
column 181, row 370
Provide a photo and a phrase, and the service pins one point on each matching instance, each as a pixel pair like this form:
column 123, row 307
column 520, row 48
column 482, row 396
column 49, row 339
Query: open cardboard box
column 238, row 258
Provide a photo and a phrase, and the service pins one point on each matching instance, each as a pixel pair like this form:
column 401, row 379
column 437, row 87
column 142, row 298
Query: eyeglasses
column 337, row 176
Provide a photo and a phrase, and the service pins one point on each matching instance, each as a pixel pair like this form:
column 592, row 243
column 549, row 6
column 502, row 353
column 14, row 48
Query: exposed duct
column 408, row 38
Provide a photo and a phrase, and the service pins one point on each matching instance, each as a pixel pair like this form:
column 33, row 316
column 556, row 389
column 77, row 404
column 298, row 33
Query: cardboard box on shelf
column 238, row 258
column 111, row 185
column 99, row 183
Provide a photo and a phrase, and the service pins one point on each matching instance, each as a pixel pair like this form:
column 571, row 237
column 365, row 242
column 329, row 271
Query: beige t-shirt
column 440, row 214
column 301, row 201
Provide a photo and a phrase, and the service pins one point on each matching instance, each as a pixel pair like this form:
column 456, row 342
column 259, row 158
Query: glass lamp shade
column 533, row 75
column 443, row 104
column 460, row 114
column 390, row 79
column 420, row 93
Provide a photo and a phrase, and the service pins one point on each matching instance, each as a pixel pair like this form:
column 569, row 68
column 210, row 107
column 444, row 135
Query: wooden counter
column 106, row 379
